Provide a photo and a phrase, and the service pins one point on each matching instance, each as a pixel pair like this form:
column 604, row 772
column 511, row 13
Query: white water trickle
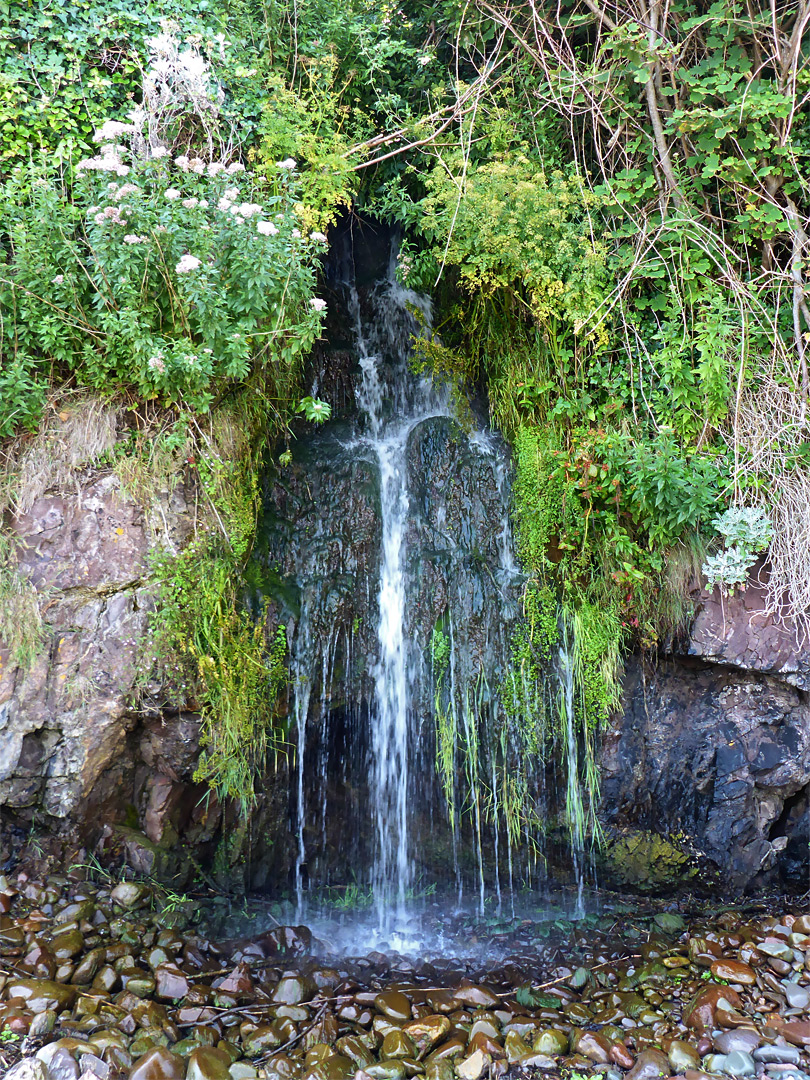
column 391, row 415
column 573, row 795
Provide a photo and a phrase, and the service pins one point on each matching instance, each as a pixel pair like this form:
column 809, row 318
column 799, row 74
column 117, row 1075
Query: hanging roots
column 772, row 433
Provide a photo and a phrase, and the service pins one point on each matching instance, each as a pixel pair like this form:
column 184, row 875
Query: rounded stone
column 744, row 1040
column 798, row 997
column 130, row 895
column 734, row 972
column 291, row 990
column 393, row 1004
column 208, row 1063
column 550, row 1042
column 682, row 1056
column 158, row 1064
column 738, row 1063
column 650, row 1065
column 27, row 1069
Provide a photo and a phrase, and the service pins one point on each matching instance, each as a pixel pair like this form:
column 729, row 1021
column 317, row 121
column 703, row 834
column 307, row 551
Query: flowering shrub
column 174, row 277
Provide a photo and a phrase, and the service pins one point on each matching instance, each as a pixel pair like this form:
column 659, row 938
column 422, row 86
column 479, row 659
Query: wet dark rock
column 650, row 1065
column 208, row 1063
column 719, row 755
column 393, row 1004
column 131, row 895
column 158, row 1064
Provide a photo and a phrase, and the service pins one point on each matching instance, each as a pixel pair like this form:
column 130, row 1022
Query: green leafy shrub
column 171, row 280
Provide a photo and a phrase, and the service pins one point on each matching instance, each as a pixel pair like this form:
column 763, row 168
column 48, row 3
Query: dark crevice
column 795, row 802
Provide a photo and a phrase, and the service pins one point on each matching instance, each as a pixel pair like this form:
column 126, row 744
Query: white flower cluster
column 213, row 168
column 266, row 228
column 317, row 304
column 404, row 266
column 288, row 164
column 108, row 161
column 187, row 264
column 125, row 190
column 318, row 237
column 111, row 130
column 109, row 213
column 156, row 363
column 132, row 238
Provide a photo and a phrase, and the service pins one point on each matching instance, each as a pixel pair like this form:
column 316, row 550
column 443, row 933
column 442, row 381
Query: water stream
column 388, row 555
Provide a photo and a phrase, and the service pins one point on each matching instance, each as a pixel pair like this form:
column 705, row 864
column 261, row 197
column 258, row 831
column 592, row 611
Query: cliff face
column 712, row 750
column 80, row 743
column 707, row 766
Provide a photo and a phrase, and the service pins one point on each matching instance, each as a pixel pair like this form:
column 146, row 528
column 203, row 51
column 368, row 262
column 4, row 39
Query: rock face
column 739, row 632
column 712, row 754
column 85, row 746
column 64, row 721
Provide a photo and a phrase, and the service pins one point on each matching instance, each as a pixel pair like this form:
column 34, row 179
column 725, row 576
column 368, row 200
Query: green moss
column 647, row 861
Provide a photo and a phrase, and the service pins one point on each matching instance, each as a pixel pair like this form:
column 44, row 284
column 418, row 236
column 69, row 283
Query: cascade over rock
column 386, row 531
column 707, row 767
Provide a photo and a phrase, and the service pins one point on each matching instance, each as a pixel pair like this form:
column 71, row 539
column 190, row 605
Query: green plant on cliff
column 21, row 630
column 210, row 649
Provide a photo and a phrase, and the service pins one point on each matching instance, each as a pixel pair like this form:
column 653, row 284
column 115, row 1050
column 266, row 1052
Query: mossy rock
column 170, row 865
column 647, row 861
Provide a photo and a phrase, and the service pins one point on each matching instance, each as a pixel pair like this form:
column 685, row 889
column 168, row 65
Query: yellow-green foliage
column 305, row 125
column 20, row 620
column 212, row 651
column 508, row 222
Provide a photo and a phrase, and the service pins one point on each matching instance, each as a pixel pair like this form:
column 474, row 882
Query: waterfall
column 390, row 533
column 391, row 715
column 574, row 804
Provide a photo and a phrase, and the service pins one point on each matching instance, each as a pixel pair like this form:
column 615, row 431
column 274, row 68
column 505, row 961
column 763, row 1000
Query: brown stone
column 158, row 1064
column 394, row 1004
column 591, row 1045
column 208, row 1063
column 650, row 1065
column 733, row 971
column 481, row 997
column 171, row 983
column 485, row 1043
column 41, row 994
column 701, row 1014
column 796, row 1032
column 427, row 1032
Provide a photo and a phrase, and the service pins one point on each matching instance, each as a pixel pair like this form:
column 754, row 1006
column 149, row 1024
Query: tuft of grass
column 78, row 429
column 21, row 630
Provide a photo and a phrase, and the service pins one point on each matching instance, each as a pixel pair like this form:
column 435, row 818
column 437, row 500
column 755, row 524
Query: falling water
column 391, row 729
column 391, row 526
column 574, row 806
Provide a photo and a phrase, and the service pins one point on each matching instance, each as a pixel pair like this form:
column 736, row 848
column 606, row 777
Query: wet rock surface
column 707, row 773
column 113, row 980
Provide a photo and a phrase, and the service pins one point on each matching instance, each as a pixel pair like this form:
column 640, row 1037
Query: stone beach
column 113, row 980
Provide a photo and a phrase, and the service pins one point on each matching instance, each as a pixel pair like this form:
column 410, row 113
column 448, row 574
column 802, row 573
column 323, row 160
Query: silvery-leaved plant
column 746, row 532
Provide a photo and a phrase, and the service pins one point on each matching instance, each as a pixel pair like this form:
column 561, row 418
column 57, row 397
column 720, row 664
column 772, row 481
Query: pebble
column 743, row 1039
column 739, row 1063
column 790, row 1055
column 131, row 995
column 650, row 1064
